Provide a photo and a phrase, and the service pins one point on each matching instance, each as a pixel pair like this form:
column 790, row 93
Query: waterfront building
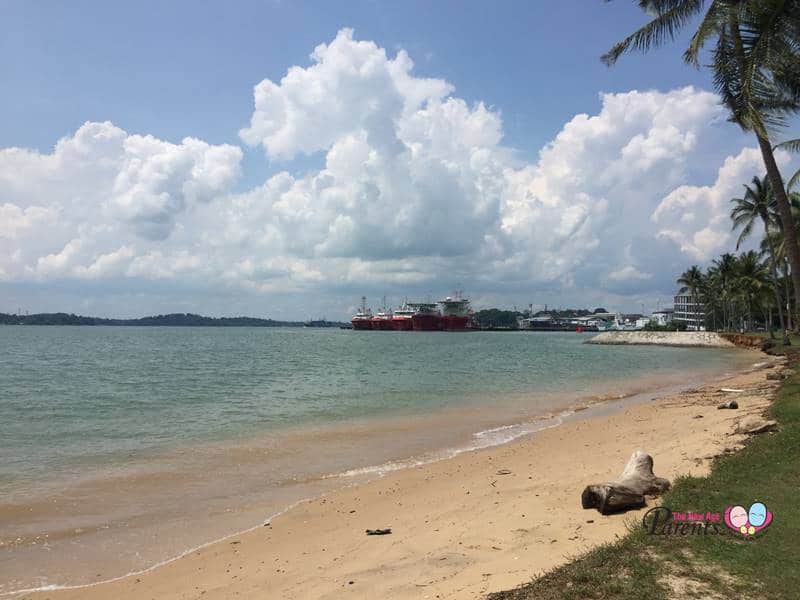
column 690, row 310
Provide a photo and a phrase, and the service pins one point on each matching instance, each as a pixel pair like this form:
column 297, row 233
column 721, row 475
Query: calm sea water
column 104, row 432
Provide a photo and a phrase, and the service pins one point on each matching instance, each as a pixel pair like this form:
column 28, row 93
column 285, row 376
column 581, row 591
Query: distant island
column 170, row 320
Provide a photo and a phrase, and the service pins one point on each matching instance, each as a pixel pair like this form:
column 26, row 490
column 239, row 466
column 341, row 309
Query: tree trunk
column 788, row 296
column 769, row 323
column 776, row 283
column 785, row 212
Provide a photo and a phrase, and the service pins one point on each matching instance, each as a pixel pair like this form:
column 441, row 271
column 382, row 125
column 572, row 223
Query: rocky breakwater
column 705, row 339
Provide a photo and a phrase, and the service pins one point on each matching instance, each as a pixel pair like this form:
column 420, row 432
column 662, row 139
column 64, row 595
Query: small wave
column 487, row 438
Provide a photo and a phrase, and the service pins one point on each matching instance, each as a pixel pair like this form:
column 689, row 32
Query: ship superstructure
column 363, row 318
column 456, row 313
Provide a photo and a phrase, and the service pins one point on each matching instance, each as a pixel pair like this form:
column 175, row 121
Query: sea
column 122, row 448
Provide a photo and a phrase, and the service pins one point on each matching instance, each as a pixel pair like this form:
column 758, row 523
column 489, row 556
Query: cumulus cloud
column 416, row 191
column 697, row 218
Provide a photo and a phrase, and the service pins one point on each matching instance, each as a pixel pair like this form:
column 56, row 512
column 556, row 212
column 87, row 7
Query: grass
column 642, row 566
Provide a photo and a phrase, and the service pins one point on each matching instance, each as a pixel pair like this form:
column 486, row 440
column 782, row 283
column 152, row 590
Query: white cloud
column 417, row 192
column 697, row 218
column 15, row 221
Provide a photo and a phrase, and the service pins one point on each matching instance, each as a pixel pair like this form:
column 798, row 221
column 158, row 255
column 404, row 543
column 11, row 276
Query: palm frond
column 789, row 145
column 671, row 17
column 710, row 26
column 793, row 181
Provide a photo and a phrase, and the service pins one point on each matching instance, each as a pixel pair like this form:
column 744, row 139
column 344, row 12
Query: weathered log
column 753, row 424
column 628, row 491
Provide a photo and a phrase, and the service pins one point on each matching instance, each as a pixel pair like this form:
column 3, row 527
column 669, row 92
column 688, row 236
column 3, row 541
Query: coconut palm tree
column 756, row 65
column 725, row 267
column 757, row 205
column 691, row 280
column 712, row 296
column 751, row 279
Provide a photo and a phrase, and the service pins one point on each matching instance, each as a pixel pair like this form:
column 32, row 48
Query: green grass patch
column 705, row 566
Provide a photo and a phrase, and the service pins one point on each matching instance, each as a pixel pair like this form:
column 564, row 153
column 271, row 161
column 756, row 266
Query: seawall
column 705, row 339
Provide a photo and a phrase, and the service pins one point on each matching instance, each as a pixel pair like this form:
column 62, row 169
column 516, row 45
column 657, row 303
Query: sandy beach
column 480, row 522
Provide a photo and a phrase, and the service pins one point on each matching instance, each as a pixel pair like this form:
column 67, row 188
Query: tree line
column 170, row 320
column 753, row 289
column 753, row 48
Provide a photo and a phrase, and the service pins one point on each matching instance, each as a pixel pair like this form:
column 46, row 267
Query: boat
column 363, row 318
column 401, row 318
column 382, row 321
column 456, row 313
column 426, row 317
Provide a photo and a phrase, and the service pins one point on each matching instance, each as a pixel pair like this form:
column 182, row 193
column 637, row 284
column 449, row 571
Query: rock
column 778, row 376
column 729, row 404
column 628, row 491
column 752, row 424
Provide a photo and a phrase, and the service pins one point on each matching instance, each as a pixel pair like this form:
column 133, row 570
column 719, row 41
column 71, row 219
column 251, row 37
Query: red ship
column 383, row 320
column 401, row 319
column 426, row 317
column 456, row 313
column 363, row 318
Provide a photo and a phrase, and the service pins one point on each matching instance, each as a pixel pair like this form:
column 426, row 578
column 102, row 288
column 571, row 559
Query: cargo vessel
column 455, row 314
column 382, row 321
column 426, row 317
column 401, row 319
column 363, row 318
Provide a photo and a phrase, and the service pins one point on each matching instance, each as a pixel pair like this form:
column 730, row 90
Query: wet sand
column 479, row 522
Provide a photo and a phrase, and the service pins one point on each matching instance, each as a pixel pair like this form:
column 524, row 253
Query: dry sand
column 461, row 527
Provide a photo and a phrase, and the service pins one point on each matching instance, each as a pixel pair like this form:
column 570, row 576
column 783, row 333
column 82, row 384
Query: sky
column 282, row 159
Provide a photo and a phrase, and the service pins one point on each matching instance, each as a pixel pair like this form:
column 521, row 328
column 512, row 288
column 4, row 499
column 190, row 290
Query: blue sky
column 188, row 68
column 173, row 70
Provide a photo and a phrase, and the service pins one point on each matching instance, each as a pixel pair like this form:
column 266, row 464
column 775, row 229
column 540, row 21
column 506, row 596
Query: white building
column 691, row 311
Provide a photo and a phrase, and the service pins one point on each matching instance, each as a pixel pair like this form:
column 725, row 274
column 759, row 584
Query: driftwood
column 752, row 424
column 628, row 491
column 386, row 531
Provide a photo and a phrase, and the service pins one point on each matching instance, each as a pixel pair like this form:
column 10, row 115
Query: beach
column 482, row 521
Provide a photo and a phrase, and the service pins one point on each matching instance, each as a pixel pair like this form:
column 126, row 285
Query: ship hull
column 402, row 324
column 454, row 323
column 426, row 322
column 382, row 325
column 362, row 324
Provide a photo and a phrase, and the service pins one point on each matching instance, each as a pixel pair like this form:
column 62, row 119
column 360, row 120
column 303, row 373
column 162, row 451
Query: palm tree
column 756, row 71
column 691, row 280
column 756, row 205
column 711, row 290
column 750, row 279
column 725, row 267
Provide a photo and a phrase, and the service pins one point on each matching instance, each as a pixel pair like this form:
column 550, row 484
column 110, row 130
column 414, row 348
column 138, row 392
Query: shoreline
column 88, row 532
column 171, row 578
